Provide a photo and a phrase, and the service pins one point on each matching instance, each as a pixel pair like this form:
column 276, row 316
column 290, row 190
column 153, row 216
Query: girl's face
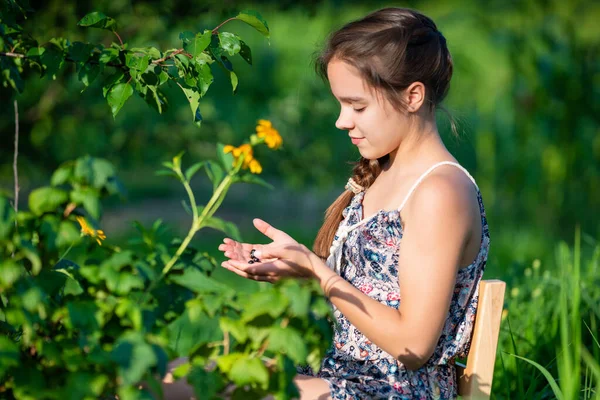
column 373, row 124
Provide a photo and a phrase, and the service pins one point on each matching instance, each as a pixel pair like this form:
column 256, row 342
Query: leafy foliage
column 83, row 321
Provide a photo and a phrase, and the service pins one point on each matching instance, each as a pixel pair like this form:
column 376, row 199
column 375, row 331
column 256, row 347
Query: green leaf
column 11, row 74
column 198, row 282
column 46, row 199
column 252, row 178
column 269, row 302
column 84, row 315
column 234, row 81
column 225, row 362
column 551, row 381
column 87, row 197
column 68, row 233
column 9, row 355
column 80, row 52
column 191, row 171
column 255, row 20
column 10, row 271
column 299, row 297
column 97, row 20
column 249, row 371
column 230, row 43
column 62, row 174
column 109, row 54
column 196, row 44
column 229, row 228
column 245, row 52
column 137, row 62
column 225, row 158
column 205, row 78
column 111, row 80
column 156, row 99
column 71, row 285
column 134, row 357
column 89, row 72
column 103, row 172
column 52, row 59
column 191, row 329
column 288, row 341
column 214, row 172
column 206, row 384
column 118, row 95
column 236, row 327
column 193, row 97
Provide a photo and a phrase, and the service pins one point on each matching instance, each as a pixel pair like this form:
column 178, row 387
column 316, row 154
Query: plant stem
column 221, row 24
column 119, row 37
column 65, row 254
column 197, row 224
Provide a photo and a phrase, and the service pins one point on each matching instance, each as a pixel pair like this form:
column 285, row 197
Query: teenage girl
column 402, row 250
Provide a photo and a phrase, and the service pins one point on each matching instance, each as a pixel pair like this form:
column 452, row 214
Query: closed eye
column 360, row 109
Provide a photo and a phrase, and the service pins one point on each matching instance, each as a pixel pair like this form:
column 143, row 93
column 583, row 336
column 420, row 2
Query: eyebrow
column 352, row 99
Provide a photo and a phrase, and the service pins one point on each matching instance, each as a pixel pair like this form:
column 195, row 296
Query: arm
column 438, row 224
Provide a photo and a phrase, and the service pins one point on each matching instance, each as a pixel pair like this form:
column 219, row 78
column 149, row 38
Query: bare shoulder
column 446, row 193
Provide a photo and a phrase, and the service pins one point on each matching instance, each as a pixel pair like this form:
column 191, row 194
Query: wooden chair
column 475, row 379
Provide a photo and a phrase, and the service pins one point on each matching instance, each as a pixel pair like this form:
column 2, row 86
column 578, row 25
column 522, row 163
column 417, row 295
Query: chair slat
column 475, row 381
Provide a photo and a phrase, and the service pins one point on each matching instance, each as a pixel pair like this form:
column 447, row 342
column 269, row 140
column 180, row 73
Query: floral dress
column 365, row 253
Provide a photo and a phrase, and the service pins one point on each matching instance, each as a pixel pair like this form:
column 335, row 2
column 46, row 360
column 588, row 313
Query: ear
column 415, row 96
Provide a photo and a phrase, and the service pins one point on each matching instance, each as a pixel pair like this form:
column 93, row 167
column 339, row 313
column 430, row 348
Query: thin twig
column 11, row 54
column 15, row 171
column 173, row 54
column 115, row 32
column 222, row 23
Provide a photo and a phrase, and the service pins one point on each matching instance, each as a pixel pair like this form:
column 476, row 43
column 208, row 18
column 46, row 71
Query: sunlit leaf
column 46, row 199
column 97, row 20
column 255, row 20
column 118, row 95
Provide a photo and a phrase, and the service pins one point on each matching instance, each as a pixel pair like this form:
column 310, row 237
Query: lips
column 356, row 140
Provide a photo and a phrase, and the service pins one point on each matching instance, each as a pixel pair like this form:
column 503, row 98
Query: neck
column 420, row 146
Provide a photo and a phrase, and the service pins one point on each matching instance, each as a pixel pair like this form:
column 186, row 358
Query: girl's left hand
column 282, row 258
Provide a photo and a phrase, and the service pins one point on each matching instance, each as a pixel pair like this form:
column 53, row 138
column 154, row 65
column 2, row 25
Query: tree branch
column 173, row 54
column 18, row 55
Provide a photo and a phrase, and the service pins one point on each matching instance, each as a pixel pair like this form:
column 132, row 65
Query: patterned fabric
column 354, row 367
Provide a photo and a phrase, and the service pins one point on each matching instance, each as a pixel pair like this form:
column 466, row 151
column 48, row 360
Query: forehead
column 345, row 81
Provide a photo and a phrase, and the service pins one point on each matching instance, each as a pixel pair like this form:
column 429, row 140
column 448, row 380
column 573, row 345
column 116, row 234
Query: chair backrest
column 475, row 379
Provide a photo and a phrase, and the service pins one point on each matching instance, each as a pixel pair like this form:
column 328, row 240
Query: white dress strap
column 424, row 175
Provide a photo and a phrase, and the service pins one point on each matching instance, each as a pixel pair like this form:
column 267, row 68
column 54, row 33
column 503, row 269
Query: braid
column 364, row 173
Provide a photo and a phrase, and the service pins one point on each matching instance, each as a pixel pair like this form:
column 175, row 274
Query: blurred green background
column 525, row 94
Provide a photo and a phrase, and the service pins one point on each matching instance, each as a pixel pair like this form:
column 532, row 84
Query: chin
column 371, row 155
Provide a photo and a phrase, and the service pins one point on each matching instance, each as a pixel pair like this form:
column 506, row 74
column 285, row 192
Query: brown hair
column 391, row 48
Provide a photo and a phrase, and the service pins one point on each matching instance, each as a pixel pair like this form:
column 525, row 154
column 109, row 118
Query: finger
column 244, row 274
column 269, row 230
column 235, row 250
column 262, row 269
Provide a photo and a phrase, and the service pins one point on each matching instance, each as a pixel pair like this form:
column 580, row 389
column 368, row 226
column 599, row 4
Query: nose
column 344, row 121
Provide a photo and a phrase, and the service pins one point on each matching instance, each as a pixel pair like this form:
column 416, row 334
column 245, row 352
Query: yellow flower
column 255, row 167
column 249, row 160
column 89, row 231
column 265, row 130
